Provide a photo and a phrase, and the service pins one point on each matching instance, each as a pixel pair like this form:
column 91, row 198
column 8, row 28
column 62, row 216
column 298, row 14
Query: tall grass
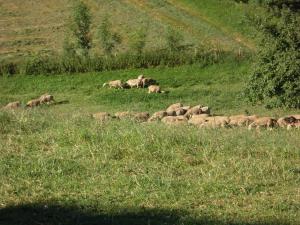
column 58, row 64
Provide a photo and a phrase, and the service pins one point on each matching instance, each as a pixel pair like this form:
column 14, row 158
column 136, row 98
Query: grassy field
column 59, row 166
column 31, row 27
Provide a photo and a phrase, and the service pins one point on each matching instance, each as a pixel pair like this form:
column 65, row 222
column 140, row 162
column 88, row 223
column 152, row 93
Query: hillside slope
column 28, row 27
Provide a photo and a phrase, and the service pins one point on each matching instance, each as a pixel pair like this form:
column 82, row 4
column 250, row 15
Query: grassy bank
column 58, row 166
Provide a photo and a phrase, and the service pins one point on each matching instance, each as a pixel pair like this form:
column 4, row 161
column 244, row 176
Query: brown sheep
column 267, row 122
column 134, row 83
column 12, row 105
column 297, row 124
column 196, row 110
column 296, row 116
column 154, row 89
column 158, row 116
column 180, row 111
column 141, row 117
column 286, row 122
column 115, row 84
column 33, row 103
column 146, row 82
column 46, row 98
column 175, row 120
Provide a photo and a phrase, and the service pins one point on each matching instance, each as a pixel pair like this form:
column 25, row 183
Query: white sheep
column 46, row 98
column 12, row 105
column 175, row 120
column 134, row 83
column 33, row 103
column 154, row 89
column 266, row 122
column 115, row 84
column 101, row 116
column 158, row 116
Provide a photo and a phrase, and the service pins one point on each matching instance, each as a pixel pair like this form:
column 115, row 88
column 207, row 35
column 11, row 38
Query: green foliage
column 108, row 39
column 275, row 78
column 71, row 62
column 138, row 41
column 81, row 26
column 174, row 39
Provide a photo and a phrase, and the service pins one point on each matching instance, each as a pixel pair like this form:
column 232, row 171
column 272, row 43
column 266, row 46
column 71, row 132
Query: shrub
column 108, row 39
column 275, row 77
column 81, row 26
column 174, row 39
column 138, row 41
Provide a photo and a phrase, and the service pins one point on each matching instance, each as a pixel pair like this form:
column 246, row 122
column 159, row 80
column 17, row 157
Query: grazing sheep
column 205, row 110
column 171, row 113
column 196, row 110
column 297, row 124
column 174, row 107
column 154, row 89
column 123, row 115
column 115, row 84
column 33, row 103
column 175, row 120
column 12, row 105
column 186, row 108
column 134, row 83
column 46, row 98
column 158, row 116
column 239, row 120
column 146, row 82
column 286, row 122
column 141, row 117
column 140, row 77
column 198, row 120
column 267, row 122
column 296, row 116
column 180, row 111
column 101, row 116
column 216, row 121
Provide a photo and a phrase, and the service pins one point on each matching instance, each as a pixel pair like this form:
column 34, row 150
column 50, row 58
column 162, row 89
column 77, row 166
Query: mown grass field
column 30, row 27
column 59, row 166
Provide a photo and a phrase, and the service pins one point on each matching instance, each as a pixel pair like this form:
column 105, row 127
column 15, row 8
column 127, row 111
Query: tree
column 138, row 41
column 109, row 40
column 174, row 39
column 275, row 78
column 81, row 26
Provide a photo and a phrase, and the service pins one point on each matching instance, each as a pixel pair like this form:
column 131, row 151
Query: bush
column 138, row 41
column 108, row 39
column 81, row 26
column 174, row 40
column 275, row 77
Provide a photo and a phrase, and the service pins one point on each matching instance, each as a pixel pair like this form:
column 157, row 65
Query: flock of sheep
column 140, row 82
column 176, row 113
column 44, row 99
column 200, row 116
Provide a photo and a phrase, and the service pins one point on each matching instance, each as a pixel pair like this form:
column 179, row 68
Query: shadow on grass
column 54, row 214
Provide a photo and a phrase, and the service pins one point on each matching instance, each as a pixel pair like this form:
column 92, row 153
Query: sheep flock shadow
column 56, row 214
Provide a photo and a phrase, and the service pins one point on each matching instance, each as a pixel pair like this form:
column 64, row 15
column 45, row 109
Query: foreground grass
column 57, row 169
column 58, row 166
